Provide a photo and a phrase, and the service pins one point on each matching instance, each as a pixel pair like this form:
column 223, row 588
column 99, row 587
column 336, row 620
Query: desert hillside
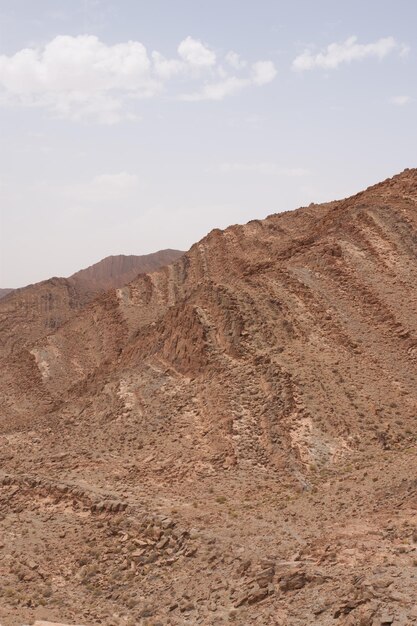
column 228, row 439
column 34, row 311
column 116, row 271
column 5, row 292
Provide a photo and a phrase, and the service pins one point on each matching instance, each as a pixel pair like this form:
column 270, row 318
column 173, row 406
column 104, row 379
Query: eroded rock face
column 231, row 439
column 114, row 272
column 35, row 311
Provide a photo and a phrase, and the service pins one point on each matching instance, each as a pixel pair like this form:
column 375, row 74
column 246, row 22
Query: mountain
column 116, row 271
column 228, row 439
column 34, row 311
column 5, row 292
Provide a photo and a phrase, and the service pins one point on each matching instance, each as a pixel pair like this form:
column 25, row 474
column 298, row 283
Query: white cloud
column 218, row 90
column 234, row 60
column 350, row 50
column 400, row 100
column 166, row 68
column 263, row 72
column 77, row 77
column 83, row 78
column 264, row 168
column 404, row 50
column 195, row 53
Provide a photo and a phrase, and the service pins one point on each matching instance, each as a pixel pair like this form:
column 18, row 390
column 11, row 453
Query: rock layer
column 230, row 439
column 38, row 310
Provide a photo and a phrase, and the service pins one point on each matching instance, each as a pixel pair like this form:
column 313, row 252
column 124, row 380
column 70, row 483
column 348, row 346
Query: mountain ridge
column 116, row 270
column 39, row 308
column 5, row 291
column 231, row 438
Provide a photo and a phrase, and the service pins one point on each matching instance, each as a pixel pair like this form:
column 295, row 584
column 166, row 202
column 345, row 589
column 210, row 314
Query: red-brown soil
column 228, row 440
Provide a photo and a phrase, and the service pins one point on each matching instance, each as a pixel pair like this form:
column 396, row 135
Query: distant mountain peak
column 117, row 270
column 28, row 313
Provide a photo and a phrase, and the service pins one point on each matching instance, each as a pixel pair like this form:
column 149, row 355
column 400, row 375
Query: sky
column 131, row 126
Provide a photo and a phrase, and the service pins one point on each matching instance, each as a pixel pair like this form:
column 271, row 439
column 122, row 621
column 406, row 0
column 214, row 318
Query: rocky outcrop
column 229, row 439
column 116, row 271
column 38, row 310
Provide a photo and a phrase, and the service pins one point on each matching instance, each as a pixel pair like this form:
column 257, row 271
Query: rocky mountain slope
column 36, row 310
column 116, row 271
column 230, row 439
column 5, row 292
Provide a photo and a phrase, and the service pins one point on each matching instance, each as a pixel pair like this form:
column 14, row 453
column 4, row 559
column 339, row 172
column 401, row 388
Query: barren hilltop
column 230, row 439
column 37, row 310
column 116, row 271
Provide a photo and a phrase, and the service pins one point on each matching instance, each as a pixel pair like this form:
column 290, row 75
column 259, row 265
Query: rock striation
column 37, row 310
column 228, row 439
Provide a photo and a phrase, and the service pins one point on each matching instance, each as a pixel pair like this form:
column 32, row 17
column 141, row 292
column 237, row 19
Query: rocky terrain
column 228, row 440
column 5, row 292
column 34, row 311
column 116, row 271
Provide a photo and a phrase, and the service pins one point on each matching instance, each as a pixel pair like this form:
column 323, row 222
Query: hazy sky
column 129, row 126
